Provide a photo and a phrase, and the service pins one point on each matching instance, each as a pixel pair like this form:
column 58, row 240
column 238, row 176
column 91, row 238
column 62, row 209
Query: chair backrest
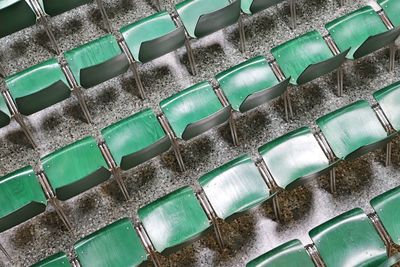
column 15, row 15
column 75, row 168
column 21, row 198
column 38, row 87
column 389, row 101
column 5, row 114
column 136, row 139
column 59, row 259
column 56, row 7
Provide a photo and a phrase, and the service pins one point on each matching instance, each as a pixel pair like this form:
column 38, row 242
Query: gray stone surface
column 246, row 237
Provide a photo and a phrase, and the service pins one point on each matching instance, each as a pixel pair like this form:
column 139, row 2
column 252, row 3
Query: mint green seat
column 59, row 259
column 294, row 158
column 38, row 87
column 386, row 207
column 117, row 244
column 75, row 168
column 250, row 84
column 174, row 220
column 353, row 130
column 389, row 100
column 194, row 110
column 306, row 58
column 350, row 239
column 97, row 61
column 203, row 17
column 363, row 31
column 153, row 36
column 136, row 139
column 253, row 6
column 5, row 114
column 56, row 7
column 291, row 253
column 234, row 187
column 392, row 9
column 21, row 198
column 15, row 15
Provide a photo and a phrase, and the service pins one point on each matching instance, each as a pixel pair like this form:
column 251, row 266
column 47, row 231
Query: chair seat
column 291, row 253
column 349, row 239
column 174, row 220
column 159, row 26
column 191, row 13
column 392, row 10
column 97, row 61
column 386, row 207
column 15, row 15
column 389, row 100
column 117, row 244
column 21, row 198
column 353, row 130
column 38, row 87
column 75, row 168
column 56, row 7
column 353, row 29
column 296, row 55
column 294, row 157
column 194, row 110
column 136, row 139
column 5, row 115
column 253, row 6
column 57, row 260
column 234, row 187
column 250, row 83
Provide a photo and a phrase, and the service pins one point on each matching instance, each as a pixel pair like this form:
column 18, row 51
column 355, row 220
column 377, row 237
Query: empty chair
column 350, row 239
column 295, row 158
column 150, row 38
column 117, row 244
column 253, row 83
column 234, row 188
column 391, row 9
column 308, row 57
column 192, row 112
column 59, row 259
column 386, row 207
column 203, row 17
column 363, row 31
column 38, row 87
column 174, row 220
column 291, row 253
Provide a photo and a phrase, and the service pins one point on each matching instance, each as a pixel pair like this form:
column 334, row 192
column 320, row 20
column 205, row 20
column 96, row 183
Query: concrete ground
column 246, row 237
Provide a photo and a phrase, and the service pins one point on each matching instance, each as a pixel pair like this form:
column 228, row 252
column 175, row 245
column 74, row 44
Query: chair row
column 235, row 187
column 350, row 239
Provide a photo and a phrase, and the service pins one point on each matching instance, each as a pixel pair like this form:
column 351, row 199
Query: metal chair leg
column 276, row 206
column 342, row 2
column 158, row 5
column 388, row 154
column 286, row 106
column 2, row 71
column 190, row 54
column 392, row 56
column 5, row 253
column 340, row 81
column 232, row 126
column 106, row 20
column 332, row 180
column 61, row 214
column 81, row 99
column 46, row 25
column 138, row 80
column 242, row 34
column 118, row 177
column 218, row 234
column 178, row 155
column 20, row 120
column 293, row 15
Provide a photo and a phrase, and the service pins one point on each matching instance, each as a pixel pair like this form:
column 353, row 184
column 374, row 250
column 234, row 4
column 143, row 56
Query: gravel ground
column 247, row 236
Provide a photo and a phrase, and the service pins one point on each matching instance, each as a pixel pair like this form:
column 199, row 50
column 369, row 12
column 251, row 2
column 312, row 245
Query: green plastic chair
column 75, row 168
column 153, row 36
column 5, row 114
column 250, row 84
column 59, row 259
column 97, row 61
column 388, row 99
column 15, row 15
column 350, row 239
column 391, row 9
column 136, row 139
column 21, row 196
column 306, row 58
column 234, row 187
column 194, row 111
column 174, row 220
column 363, row 31
column 38, row 87
column 117, row 244
column 386, row 207
column 291, row 253
column 353, row 130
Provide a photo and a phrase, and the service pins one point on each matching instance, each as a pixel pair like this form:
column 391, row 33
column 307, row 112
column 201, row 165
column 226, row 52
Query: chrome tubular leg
column 342, row 2
column 178, row 155
column 138, row 80
column 2, row 71
column 190, row 54
column 332, row 180
column 81, row 99
column 289, row 101
column 5, row 253
column 293, row 15
column 388, row 154
column 232, row 126
column 392, row 56
column 340, row 81
column 242, row 34
column 218, row 234
column 61, row 214
column 46, row 25
column 106, row 20
column 277, row 209
column 285, row 104
column 158, row 5
column 20, row 120
column 118, row 177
